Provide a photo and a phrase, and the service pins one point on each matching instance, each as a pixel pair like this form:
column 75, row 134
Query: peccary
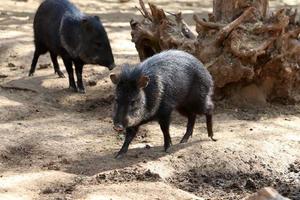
column 61, row 29
column 150, row 91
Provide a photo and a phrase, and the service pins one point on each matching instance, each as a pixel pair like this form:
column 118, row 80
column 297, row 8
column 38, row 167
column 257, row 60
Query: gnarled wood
column 228, row 10
column 240, row 44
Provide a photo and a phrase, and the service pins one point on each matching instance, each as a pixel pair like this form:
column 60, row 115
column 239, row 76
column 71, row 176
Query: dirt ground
column 56, row 144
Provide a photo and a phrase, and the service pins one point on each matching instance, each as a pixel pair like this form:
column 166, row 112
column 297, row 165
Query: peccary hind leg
column 56, row 65
column 164, row 123
column 34, row 62
column 209, row 125
column 189, row 128
column 130, row 134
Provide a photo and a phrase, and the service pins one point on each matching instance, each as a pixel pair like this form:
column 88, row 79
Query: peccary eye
column 132, row 102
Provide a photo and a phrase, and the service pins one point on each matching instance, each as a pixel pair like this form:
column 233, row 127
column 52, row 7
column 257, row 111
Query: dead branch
column 141, row 11
column 224, row 32
column 210, row 25
column 157, row 14
column 183, row 26
column 145, row 11
column 252, row 53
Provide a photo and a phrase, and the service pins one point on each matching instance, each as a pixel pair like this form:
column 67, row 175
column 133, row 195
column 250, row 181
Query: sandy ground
column 56, row 144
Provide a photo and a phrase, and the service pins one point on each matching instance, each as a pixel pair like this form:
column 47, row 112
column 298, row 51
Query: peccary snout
column 111, row 66
column 119, row 127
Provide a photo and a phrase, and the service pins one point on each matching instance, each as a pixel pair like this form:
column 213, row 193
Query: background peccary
column 61, row 29
column 151, row 91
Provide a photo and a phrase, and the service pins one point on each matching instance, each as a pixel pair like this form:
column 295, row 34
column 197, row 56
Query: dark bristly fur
column 151, row 91
column 61, row 29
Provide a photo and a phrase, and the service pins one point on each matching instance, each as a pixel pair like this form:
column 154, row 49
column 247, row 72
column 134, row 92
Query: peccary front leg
column 189, row 128
column 34, row 62
column 56, row 65
column 130, row 134
column 209, row 125
column 69, row 68
column 164, row 123
column 78, row 70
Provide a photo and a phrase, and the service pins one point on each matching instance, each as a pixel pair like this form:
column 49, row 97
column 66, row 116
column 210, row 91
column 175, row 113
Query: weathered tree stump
column 253, row 55
column 266, row 193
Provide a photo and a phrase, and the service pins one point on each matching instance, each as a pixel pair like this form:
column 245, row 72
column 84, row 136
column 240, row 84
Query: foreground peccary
column 61, row 29
column 151, row 91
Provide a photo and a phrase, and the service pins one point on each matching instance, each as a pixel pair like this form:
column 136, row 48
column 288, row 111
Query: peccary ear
column 97, row 18
column 115, row 78
column 84, row 21
column 143, row 81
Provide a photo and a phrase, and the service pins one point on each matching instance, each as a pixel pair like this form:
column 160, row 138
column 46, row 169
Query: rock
column 250, row 184
column 3, row 76
column 92, row 82
column 266, row 193
column 45, row 66
column 11, row 65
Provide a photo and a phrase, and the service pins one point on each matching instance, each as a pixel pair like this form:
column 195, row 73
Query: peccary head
column 95, row 47
column 130, row 98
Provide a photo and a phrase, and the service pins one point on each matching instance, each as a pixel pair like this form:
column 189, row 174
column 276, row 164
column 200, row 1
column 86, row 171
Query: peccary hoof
column 184, row 139
column 80, row 90
column 73, row 89
column 167, row 148
column 60, row 74
column 213, row 139
column 30, row 74
column 119, row 156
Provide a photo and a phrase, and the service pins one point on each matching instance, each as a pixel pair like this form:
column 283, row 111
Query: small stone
column 250, row 184
column 48, row 190
column 11, row 65
column 180, row 156
column 101, row 176
column 65, row 161
column 3, row 76
column 92, row 83
column 45, row 66
column 54, row 167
